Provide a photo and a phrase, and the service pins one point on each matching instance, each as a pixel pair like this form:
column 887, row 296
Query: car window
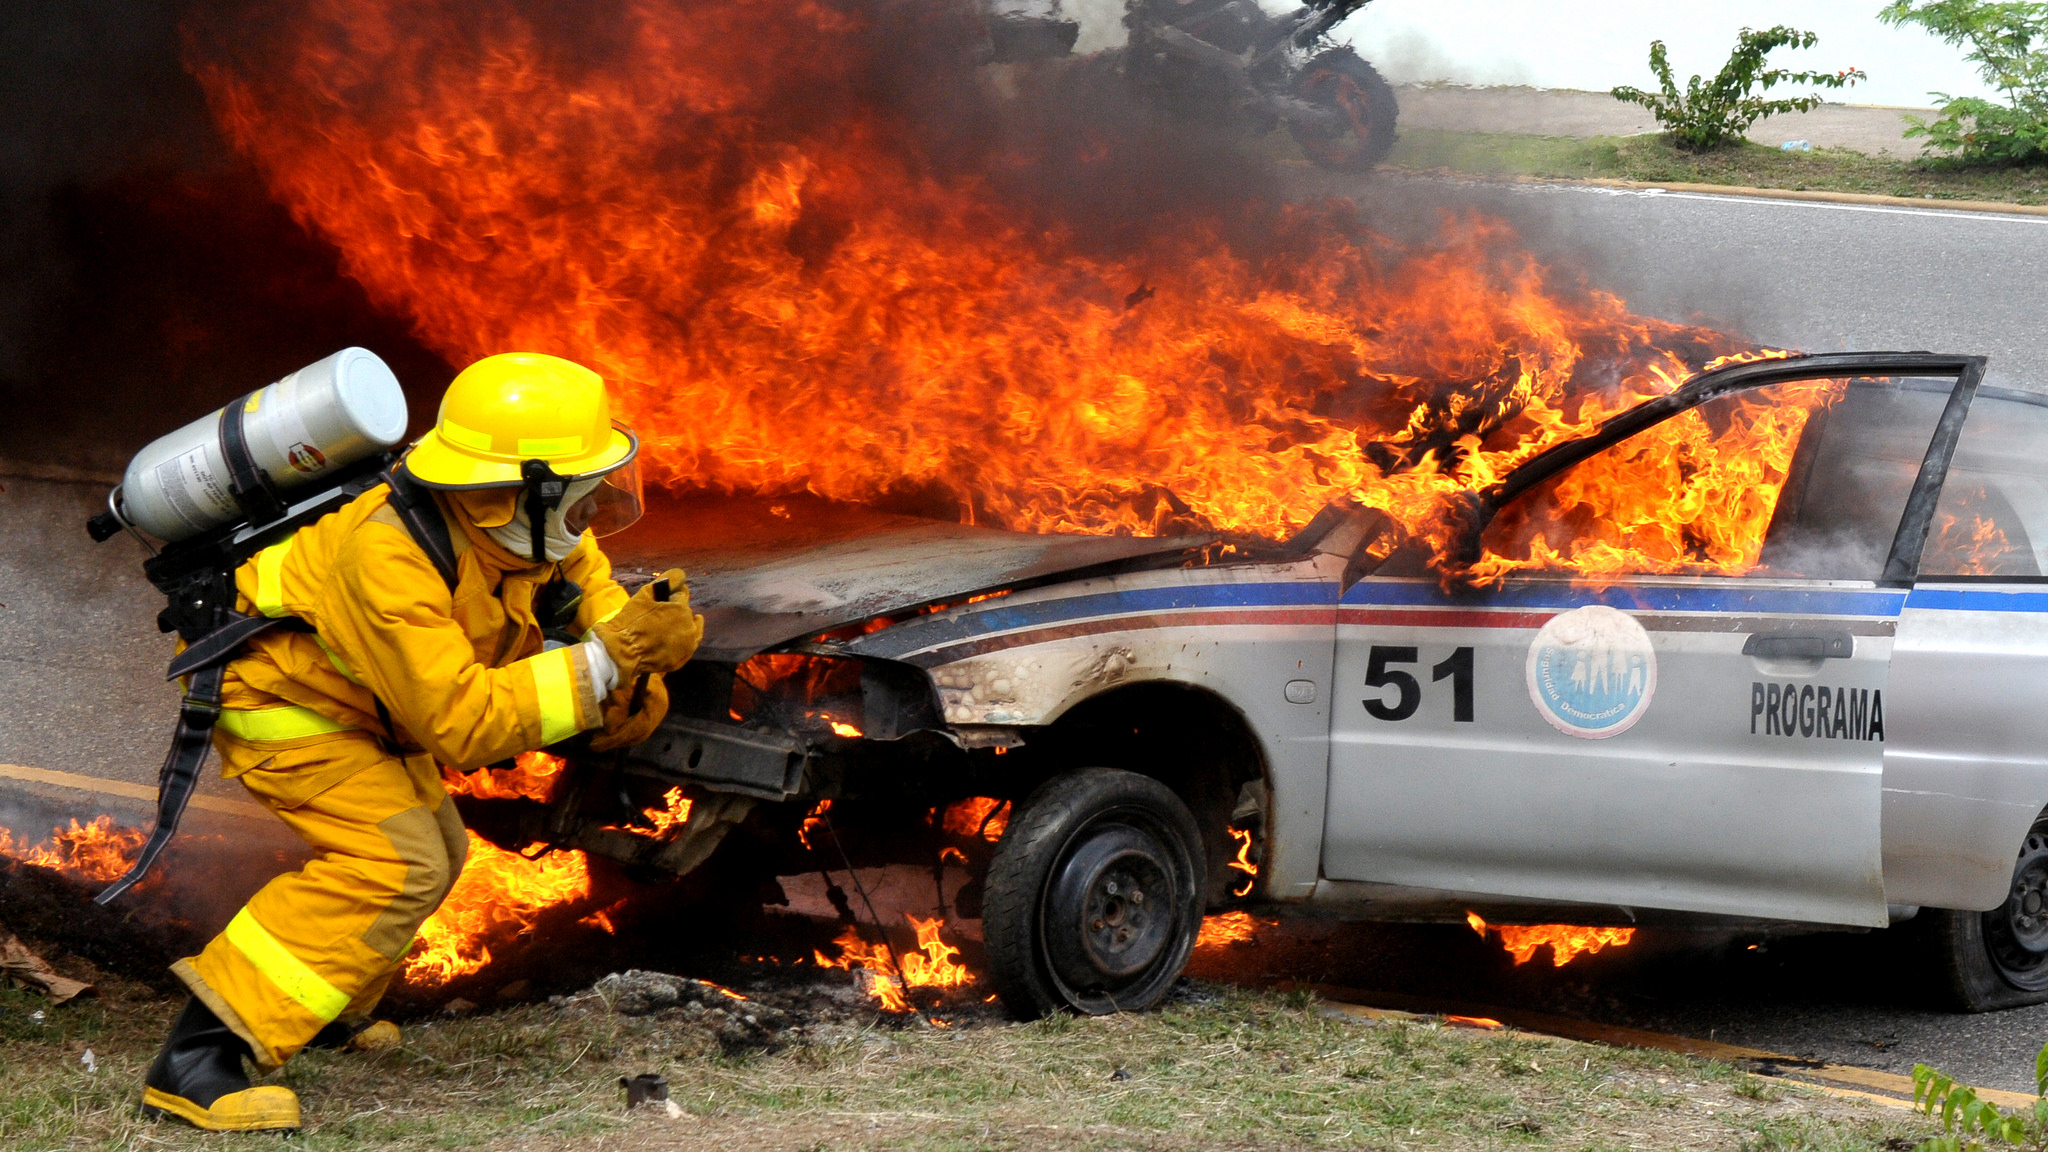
column 1992, row 519
column 1806, row 478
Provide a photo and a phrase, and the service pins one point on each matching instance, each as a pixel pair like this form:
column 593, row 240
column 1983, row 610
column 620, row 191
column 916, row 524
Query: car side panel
column 1697, row 808
column 1244, row 634
column 1966, row 767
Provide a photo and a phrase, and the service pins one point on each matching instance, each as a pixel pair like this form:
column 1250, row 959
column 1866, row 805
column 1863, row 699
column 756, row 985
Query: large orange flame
column 793, row 288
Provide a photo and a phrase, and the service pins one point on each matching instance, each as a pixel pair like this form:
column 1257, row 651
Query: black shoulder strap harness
column 203, row 612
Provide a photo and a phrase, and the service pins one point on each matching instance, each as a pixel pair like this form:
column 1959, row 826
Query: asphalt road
column 80, row 664
column 1818, row 277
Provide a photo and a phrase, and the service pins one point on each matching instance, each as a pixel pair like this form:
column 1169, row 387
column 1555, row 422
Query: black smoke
column 145, row 274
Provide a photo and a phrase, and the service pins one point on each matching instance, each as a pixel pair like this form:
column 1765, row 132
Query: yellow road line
column 1839, row 1079
column 123, row 788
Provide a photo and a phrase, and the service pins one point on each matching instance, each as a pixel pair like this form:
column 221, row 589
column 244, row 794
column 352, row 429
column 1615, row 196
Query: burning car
column 1758, row 651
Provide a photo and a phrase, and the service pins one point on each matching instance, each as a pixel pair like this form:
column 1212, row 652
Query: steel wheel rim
column 2016, row 933
column 1098, row 969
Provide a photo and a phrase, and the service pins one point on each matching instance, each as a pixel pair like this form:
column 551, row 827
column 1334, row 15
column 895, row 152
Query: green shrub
column 2009, row 44
column 1970, row 1123
column 1707, row 115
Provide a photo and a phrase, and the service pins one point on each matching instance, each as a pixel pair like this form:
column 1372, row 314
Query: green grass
column 1652, row 159
column 1247, row 1070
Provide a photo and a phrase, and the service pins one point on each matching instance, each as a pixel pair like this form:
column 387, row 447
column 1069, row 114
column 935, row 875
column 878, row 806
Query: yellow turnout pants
column 322, row 943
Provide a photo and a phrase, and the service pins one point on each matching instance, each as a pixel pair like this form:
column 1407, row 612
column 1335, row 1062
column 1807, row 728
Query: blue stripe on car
column 1977, row 600
column 934, row 631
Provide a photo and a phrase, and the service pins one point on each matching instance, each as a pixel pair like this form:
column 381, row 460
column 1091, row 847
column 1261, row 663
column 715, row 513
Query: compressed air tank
column 305, row 427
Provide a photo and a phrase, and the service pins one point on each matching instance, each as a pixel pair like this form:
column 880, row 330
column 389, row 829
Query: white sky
column 1598, row 44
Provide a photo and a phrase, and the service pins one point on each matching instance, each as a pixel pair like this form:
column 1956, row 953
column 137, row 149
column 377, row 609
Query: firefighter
column 421, row 647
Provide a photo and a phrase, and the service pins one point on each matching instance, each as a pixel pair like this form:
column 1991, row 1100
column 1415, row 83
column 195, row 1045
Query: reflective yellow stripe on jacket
column 267, row 725
column 283, row 969
column 554, row 682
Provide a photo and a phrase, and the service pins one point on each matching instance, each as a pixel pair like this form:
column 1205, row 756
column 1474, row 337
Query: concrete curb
column 1823, row 197
column 1758, row 193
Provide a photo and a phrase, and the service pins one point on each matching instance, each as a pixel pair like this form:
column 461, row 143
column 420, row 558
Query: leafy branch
column 2009, row 44
column 1970, row 1123
column 1708, row 114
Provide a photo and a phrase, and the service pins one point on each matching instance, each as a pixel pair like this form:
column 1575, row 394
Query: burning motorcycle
column 1232, row 61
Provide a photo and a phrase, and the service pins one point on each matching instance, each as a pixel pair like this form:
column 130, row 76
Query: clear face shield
column 611, row 506
column 559, row 509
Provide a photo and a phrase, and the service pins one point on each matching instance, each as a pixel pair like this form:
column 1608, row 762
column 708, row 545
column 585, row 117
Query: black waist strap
column 179, row 777
column 220, row 645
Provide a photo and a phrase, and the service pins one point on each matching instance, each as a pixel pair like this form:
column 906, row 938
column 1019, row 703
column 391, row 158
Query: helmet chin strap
column 544, row 492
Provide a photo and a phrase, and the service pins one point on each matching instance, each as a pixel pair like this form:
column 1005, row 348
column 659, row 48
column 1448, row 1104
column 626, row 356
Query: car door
column 1668, row 692
column 1966, row 767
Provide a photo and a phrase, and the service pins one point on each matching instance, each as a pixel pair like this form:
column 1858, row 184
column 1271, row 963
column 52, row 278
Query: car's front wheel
column 1998, row 959
column 1094, row 897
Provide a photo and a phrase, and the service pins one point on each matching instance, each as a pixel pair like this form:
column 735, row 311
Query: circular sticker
column 1592, row 672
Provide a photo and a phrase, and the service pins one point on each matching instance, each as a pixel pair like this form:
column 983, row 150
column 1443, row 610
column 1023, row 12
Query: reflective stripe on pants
column 320, row 943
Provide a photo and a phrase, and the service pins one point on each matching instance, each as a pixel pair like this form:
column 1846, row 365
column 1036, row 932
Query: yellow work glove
column 650, row 636
column 631, row 714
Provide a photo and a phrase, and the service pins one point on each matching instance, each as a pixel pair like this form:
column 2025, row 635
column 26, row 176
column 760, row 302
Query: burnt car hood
column 765, row 573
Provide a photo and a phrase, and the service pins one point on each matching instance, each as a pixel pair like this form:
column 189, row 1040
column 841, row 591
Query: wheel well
column 1190, row 739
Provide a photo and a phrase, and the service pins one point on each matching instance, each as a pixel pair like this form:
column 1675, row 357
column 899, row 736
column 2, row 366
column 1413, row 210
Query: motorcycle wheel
column 1340, row 81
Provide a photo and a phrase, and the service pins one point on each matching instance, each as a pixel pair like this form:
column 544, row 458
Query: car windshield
column 1992, row 519
column 1805, row 479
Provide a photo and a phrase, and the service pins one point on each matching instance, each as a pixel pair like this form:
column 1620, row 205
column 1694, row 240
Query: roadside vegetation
column 1978, row 150
column 2008, row 42
column 1217, row 1068
column 1969, row 1124
column 1708, row 114
column 1654, row 160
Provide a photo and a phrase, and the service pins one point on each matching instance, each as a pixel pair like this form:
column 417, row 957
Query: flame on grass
column 97, row 850
column 934, row 964
column 1565, row 941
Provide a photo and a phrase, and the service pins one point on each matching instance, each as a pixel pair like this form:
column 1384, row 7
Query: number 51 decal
column 1380, row 673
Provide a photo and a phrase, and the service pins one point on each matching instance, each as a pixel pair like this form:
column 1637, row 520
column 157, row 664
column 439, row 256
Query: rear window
column 1992, row 519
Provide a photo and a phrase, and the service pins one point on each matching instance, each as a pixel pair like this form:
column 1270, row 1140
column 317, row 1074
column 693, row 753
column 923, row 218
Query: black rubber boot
column 198, row 1077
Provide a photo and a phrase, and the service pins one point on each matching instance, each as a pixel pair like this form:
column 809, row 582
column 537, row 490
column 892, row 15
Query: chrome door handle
column 1810, row 645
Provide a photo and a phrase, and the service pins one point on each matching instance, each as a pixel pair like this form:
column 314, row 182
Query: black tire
column 1986, row 961
column 1062, row 930
column 1338, row 80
